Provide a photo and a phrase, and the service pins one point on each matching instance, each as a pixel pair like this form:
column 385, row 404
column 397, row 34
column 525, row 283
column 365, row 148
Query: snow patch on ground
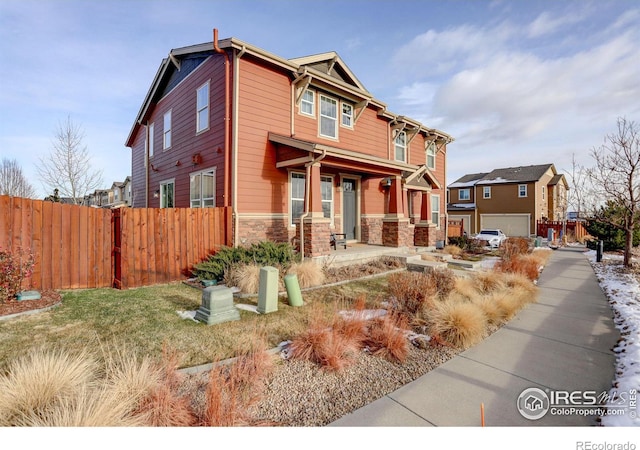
column 623, row 291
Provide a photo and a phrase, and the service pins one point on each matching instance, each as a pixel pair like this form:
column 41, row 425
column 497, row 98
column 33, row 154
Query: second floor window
column 401, row 146
column 166, row 136
column 202, row 108
column 328, row 117
column 347, row 115
column 307, row 103
column 522, row 190
column 464, row 194
column 152, row 130
column 486, row 192
column 431, row 156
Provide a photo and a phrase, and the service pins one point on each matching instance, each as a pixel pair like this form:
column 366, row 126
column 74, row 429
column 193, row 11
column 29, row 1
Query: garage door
column 510, row 224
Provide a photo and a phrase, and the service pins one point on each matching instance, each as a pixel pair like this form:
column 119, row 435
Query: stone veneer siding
column 371, row 230
column 257, row 230
column 396, row 233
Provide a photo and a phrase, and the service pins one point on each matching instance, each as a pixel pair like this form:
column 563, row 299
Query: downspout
column 307, row 189
column 234, row 125
column 146, row 165
column 227, row 158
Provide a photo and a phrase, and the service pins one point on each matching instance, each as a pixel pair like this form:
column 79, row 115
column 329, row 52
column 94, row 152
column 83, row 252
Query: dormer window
column 400, row 145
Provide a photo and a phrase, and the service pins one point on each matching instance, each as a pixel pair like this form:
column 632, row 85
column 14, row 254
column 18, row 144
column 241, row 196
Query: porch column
column 395, row 227
column 425, row 232
column 315, row 226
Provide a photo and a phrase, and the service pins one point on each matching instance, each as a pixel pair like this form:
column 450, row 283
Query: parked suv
column 494, row 236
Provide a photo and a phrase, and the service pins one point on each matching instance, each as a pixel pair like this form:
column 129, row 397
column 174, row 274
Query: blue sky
column 515, row 82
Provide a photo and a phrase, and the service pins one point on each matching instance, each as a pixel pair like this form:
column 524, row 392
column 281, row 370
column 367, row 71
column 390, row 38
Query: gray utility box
column 217, row 306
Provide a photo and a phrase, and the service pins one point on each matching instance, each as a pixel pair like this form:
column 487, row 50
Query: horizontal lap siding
column 264, row 106
column 176, row 162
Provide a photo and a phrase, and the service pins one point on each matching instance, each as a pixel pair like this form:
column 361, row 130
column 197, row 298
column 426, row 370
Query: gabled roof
column 467, row 180
column 521, row 174
column 325, row 69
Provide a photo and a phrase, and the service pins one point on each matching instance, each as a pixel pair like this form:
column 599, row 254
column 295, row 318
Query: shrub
column 519, row 264
column 309, row 273
column 461, row 324
column 412, row 291
column 443, row 280
column 467, row 244
column 14, row 268
column 264, row 253
column 514, row 246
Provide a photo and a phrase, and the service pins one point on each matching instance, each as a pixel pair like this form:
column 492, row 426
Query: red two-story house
column 298, row 148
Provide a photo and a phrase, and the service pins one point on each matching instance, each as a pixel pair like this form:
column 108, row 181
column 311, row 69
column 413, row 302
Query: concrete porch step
column 459, row 263
column 425, row 266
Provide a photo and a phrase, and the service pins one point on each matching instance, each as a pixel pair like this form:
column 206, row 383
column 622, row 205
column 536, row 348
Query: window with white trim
column 522, row 190
column 296, row 184
column 202, row 108
column 347, row 115
column 431, row 156
column 400, row 146
column 435, row 210
column 152, row 129
column 202, row 189
column 307, row 103
column 486, row 192
column 167, row 190
column 543, row 192
column 166, row 133
column 464, row 194
column 326, row 188
column 328, row 117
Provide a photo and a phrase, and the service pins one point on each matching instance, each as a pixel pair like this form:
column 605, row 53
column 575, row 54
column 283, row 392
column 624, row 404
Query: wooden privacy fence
column 455, row 227
column 570, row 227
column 83, row 247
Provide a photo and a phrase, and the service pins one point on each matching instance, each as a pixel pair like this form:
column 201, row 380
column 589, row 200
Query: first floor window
column 167, row 189
column 326, row 187
column 522, row 190
column 435, row 209
column 297, row 196
column 486, row 192
column 203, row 189
column 464, row 194
column 401, row 146
column 298, row 187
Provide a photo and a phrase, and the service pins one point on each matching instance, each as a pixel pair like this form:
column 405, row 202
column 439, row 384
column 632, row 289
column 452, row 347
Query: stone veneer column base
column 316, row 236
column 425, row 235
column 395, row 232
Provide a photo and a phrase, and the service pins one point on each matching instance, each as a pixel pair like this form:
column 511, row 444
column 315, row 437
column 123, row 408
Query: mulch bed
column 48, row 298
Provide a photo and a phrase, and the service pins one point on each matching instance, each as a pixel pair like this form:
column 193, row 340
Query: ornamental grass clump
column 309, row 273
column 459, row 323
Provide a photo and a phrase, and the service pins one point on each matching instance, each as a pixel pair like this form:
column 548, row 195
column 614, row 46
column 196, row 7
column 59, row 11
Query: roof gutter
column 227, row 156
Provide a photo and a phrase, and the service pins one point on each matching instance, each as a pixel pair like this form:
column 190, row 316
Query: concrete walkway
column 562, row 342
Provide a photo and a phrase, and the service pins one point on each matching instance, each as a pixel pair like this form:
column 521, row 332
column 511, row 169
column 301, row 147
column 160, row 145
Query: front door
column 349, row 208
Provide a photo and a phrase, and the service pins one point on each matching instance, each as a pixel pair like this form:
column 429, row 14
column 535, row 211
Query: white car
column 494, row 236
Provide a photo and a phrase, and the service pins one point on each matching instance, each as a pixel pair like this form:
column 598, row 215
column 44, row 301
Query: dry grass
column 412, row 292
column 515, row 246
column 387, row 337
column 462, row 324
column 453, row 250
column 245, row 277
column 520, row 264
column 308, row 272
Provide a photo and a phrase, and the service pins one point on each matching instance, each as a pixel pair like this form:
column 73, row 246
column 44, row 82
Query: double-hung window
column 328, row 117
column 167, row 189
column 400, row 145
column 150, row 142
column 297, row 196
column 464, row 194
column 522, row 190
column 166, row 136
column 486, row 192
column 326, row 187
column 431, row 155
column 347, row 115
column 202, row 108
column 435, row 209
column 203, row 189
column 307, row 103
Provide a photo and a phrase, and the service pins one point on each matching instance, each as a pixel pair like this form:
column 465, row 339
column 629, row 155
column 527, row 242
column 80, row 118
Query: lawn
column 143, row 320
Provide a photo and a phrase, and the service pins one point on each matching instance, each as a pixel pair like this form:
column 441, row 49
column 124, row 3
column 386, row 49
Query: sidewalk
column 562, row 342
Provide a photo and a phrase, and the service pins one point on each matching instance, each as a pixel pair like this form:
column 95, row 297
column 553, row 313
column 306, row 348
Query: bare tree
column 68, row 166
column 616, row 176
column 581, row 198
column 12, row 180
